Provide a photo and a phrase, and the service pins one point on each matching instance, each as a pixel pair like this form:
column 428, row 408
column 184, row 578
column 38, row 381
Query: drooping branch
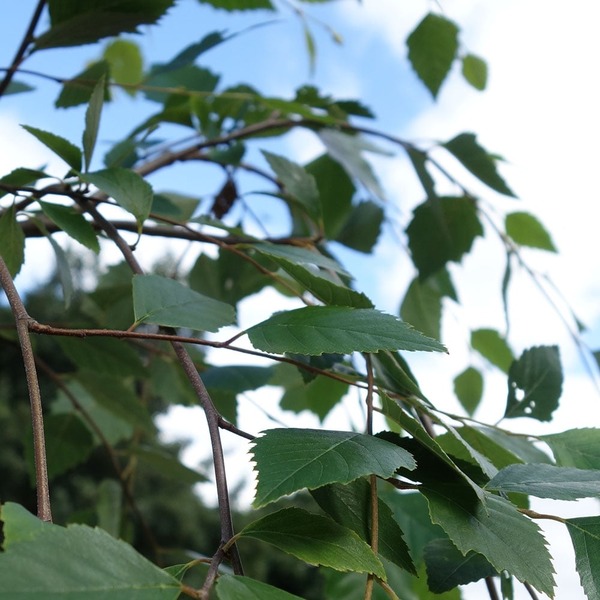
column 44, row 510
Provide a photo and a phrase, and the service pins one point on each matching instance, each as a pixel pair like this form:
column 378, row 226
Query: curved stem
column 20, row 55
column 22, row 319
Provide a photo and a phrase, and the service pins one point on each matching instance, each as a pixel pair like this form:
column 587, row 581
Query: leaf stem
column 44, row 511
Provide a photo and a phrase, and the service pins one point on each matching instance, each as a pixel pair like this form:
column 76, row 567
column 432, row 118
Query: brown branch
column 44, row 510
column 20, row 55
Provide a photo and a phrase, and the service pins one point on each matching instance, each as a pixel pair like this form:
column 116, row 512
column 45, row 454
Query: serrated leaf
column 478, row 161
column 350, row 506
column 63, row 148
column 362, row 227
column 323, row 288
column 288, row 460
column 76, row 23
column 92, row 121
column 442, row 230
column 78, row 90
column 495, row 529
column 468, row 387
column 163, row 301
column 21, row 176
column 547, row 481
column 422, row 307
column 316, row 540
column 302, row 256
column 493, row 347
column 393, row 373
column 578, row 448
column 128, row 189
column 347, row 150
column 447, row 567
column 72, row 223
column 12, row 241
column 98, row 564
column 126, row 63
column 526, row 230
column 585, row 535
column 237, row 587
column 297, row 183
column 68, row 443
column 432, row 47
column 535, row 384
column 475, row 71
column 314, row 330
column 19, row 525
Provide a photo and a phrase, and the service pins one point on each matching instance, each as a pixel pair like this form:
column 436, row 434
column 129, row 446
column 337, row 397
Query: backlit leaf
column 578, row 448
column 526, row 230
column 12, row 241
column 128, row 189
column 167, row 302
column 475, row 71
column 302, row 256
column 288, row 460
column 432, row 48
column 21, row 176
column 78, row 562
column 92, row 121
column 337, row 329
column 70, row 153
column 126, row 63
column 316, row 540
column 422, row 307
column 468, row 387
column 585, row 535
column 476, row 159
column 496, row 529
column 492, row 346
column 535, row 384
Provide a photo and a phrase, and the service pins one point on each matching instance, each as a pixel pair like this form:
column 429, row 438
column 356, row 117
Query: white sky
column 540, row 111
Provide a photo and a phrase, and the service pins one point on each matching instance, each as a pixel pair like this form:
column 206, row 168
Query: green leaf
column 19, row 524
column 17, row 87
column 393, row 373
column 316, row 540
column 535, row 384
column 126, row 63
column 288, row 460
column 167, row 465
column 547, row 481
column 163, row 301
column 442, row 230
column 496, row 529
column 21, row 177
column 63, row 268
column 297, row 183
column 186, row 79
column 432, row 47
column 336, row 191
column 578, row 448
column 419, row 159
column 128, row 189
column 108, row 506
column 322, row 287
column 174, row 206
column 237, row 378
column 232, row 5
column 92, row 121
column 585, row 535
column 337, row 329
column 447, row 567
column 12, row 241
column 422, row 307
column 347, row 150
column 478, row 161
column 526, row 230
column 70, row 153
column 73, row 223
column 302, row 256
column 492, row 346
column 68, row 443
column 98, row 566
column 475, row 71
column 350, row 506
column 75, row 23
column 236, row 587
column 468, row 387
column 189, row 54
column 78, row 90
column 362, row 228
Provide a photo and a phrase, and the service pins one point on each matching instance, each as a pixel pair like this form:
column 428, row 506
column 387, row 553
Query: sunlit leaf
column 492, row 346
column 432, row 47
column 475, row 71
column 126, row 63
column 288, row 460
column 167, row 302
column 526, row 230
column 316, row 540
column 317, row 329
column 468, row 387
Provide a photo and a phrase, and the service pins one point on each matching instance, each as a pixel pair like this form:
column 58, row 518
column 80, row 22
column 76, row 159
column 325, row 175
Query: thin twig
column 44, row 510
column 20, row 55
column 491, row 588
